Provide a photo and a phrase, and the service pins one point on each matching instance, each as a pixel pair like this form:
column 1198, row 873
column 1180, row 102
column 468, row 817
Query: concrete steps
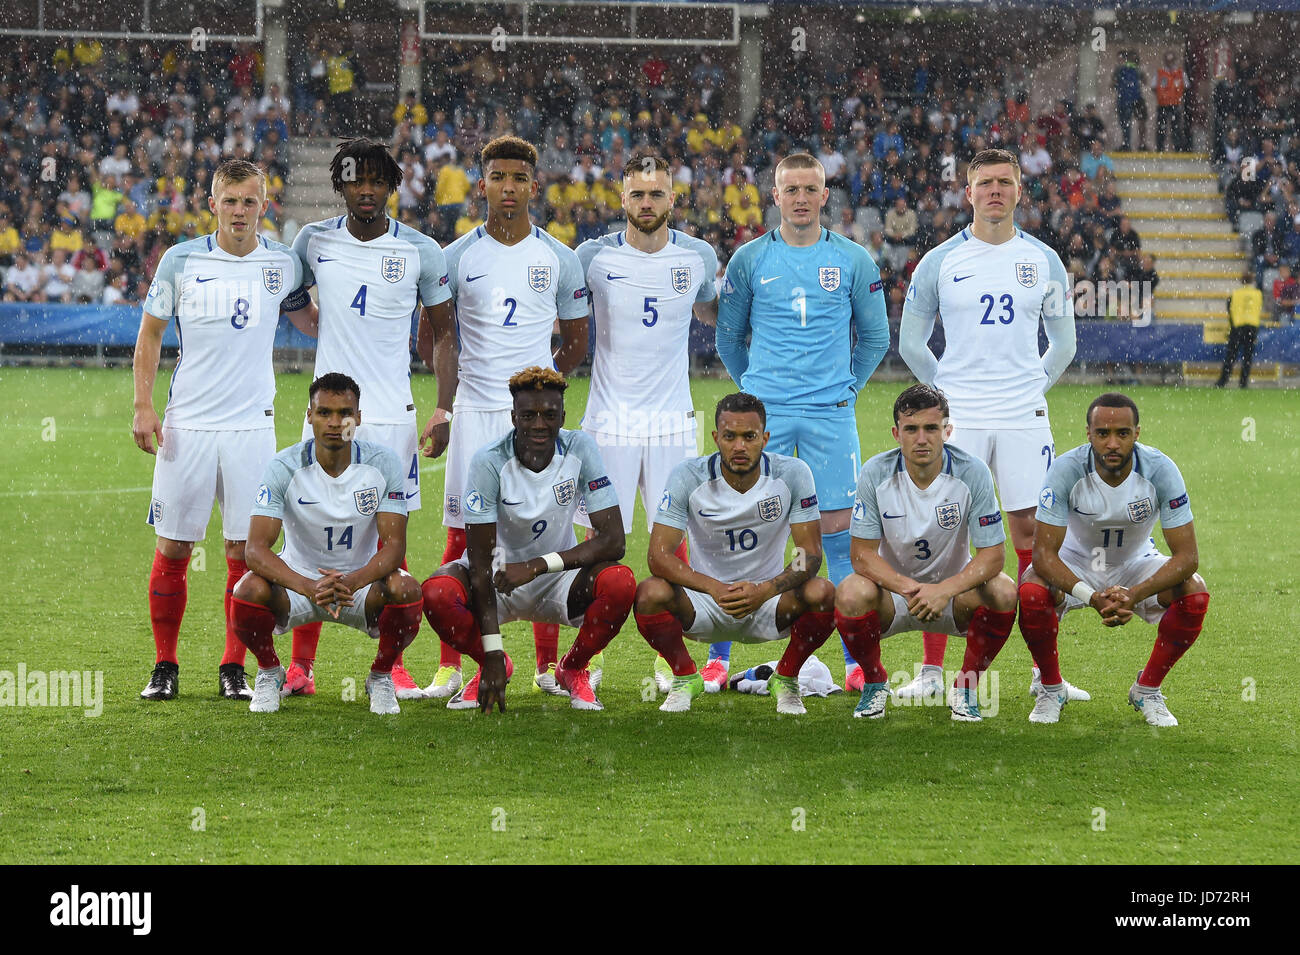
column 309, row 196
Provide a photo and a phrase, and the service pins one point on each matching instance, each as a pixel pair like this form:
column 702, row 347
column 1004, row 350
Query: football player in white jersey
column 373, row 275
column 523, row 561
column 738, row 507
column 337, row 499
column 1093, row 547
column 225, row 292
column 645, row 283
column 991, row 284
column 918, row 509
column 510, row 281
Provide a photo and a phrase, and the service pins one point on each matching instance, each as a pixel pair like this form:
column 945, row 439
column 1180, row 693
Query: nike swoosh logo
column 708, row 513
column 962, row 278
column 762, row 281
column 210, row 278
column 887, row 514
column 1084, row 513
column 321, row 258
column 411, row 494
column 610, row 277
column 159, row 593
column 511, row 503
column 474, row 278
column 301, row 501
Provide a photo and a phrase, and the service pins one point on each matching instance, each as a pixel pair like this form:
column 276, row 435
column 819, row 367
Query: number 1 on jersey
column 800, row 304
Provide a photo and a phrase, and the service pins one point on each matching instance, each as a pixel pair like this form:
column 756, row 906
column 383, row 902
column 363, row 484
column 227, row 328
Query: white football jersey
column 642, row 303
column 736, row 536
column 226, row 308
column 989, row 299
column 926, row 534
column 533, row 510
column 507, row 300
column 329, row 522
column 370, row 293
column 1112, row 521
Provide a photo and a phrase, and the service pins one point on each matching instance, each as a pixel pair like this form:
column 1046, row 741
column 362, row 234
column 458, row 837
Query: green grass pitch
column 201, row 779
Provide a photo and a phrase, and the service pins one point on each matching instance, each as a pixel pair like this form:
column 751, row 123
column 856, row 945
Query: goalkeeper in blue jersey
column 802, row 325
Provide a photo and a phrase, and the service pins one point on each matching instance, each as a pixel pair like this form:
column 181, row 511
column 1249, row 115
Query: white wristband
column 1083, row 592
column 554, row 562
column 492, row 642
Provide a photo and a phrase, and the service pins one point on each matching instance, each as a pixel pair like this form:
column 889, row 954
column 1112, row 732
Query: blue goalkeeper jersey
column 802, row 309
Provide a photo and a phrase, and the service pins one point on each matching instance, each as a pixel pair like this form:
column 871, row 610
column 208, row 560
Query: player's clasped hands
column 1116, row 605
column 513, row 575
column 741, row 599
column 331, row 592
column 927, row 601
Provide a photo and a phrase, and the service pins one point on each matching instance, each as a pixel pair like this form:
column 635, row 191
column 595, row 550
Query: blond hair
column 233, row 171
column 536, row 378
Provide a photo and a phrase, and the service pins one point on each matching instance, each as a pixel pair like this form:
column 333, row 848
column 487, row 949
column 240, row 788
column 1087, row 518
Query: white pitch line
column 434, row 467
column 47, row 491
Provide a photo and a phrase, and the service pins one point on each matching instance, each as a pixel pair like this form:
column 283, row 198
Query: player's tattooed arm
column 1047, row 564
column 573, row 344
column 707, row 312
column 267, row 564
column 867, row 562
column 664, row 562
column 481, row 546
column 389, row 557
column 436, row 344
column 145, row 423
column 807, row 561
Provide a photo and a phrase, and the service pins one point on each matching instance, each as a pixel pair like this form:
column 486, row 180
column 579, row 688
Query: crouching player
column 337, row 499
column 1093, row 547
column 918, row 510
column 736, row 507
column 523, row 561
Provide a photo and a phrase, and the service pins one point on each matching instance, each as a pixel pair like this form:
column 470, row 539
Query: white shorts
column 194, row 467
column 305, row 610
column 1129, row 574
column 714, row 625
column 470, row 430
column 543, row 600
column 403, row 440
column 633, row 463
column 904, row 622
column 1018, row 458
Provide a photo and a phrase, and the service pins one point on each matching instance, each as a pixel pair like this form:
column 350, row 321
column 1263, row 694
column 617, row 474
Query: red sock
column 862, row 637
column 1023, row 559
column 663, row 632
column 933, row 646
column 398, row 625
column 235, row 649
column 546, row 641
column 808, row 632
column 167, row 593
column 253, row 624
column 615, row 590
column 305, row 639
column 446, row 607
column 1178, row 630
column 1038, row 625
column 985, row 636
column 456, row 543
column 682, row 552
